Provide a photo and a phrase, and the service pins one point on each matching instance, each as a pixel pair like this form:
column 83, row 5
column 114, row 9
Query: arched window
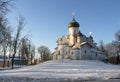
column 59, row 53
column 96, row 54
column 85, row 51
column 72, row 52
column 74, row 31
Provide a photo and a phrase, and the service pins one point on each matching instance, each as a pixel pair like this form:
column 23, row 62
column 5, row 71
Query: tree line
column 16, row 44
column 112, row 48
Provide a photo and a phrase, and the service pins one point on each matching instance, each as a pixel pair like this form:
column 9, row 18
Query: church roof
column 91, row 37
column 78, row 46
column 79, row 34
column 73, row 23
column 83, row 43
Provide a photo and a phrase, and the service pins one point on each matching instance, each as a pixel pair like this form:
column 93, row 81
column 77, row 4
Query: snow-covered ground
column 64, row 70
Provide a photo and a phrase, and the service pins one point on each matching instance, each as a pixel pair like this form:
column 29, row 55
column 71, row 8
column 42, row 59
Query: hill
column 61, row 70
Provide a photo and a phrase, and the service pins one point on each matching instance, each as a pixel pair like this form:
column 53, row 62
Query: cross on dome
column 73, row 14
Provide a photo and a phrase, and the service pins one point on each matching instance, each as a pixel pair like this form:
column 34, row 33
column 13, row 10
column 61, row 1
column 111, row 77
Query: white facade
column 76, row 45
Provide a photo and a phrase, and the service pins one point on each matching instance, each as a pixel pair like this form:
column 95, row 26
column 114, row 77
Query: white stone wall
column 86, row 52
column 76, row 54
column 98, row 56
column 73, row 39
column 78, row 39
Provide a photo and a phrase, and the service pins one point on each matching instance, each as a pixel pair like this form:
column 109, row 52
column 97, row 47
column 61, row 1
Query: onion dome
column 79, row 34
column 73, row 23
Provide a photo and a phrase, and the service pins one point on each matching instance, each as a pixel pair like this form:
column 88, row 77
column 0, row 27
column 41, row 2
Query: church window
column 74, row 31
column 85, row 51
column 96, row 54
column 59, row 52
column 66, row 53
column 72, row 52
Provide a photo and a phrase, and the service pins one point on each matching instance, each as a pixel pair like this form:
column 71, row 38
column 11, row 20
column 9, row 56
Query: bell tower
column 73, row 27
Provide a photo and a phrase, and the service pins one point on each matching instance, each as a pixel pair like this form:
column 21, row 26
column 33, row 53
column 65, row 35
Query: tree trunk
column 13, row 59
column 117, row 59
column 4, row 58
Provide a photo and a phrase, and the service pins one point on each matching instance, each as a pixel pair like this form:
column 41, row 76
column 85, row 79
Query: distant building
column 76, row 45
column 4, row 62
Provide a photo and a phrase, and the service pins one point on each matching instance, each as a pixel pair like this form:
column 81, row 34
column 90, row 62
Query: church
column 76, row 45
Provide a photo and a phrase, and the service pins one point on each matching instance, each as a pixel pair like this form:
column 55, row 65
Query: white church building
column 76, row 45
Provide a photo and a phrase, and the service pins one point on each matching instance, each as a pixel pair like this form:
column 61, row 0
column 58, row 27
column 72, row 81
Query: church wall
column 64, row 51
column 59, row 57
column 86, row 52
column 60, row 47
column 54, row 56
column 72, row 32
column 98, row 56
column 73, row 39
column 78, row 39
column 94, row 56
column 76, row 54
column 73, row 56
column 65, row 39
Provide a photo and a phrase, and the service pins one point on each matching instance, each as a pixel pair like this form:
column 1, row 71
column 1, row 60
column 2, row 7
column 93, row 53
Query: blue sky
column 47, row 20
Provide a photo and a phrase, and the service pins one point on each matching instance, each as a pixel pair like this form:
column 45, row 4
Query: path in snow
column 64, row 70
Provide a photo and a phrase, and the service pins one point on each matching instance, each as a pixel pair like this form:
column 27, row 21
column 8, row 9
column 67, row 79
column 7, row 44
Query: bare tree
column 6, row 43
column 25, row 48
column 117, row 35
column 5, row 6
column 101, row 46
column 111, row 49
column 17, row 37
column 44, row 53
column 5, row 32
column 117, row 44
column 32, row 53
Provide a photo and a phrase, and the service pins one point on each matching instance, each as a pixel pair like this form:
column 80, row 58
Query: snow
column 1, row 59
column 64, row 70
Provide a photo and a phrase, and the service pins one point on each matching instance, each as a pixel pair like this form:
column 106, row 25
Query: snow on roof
column 83, row 43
